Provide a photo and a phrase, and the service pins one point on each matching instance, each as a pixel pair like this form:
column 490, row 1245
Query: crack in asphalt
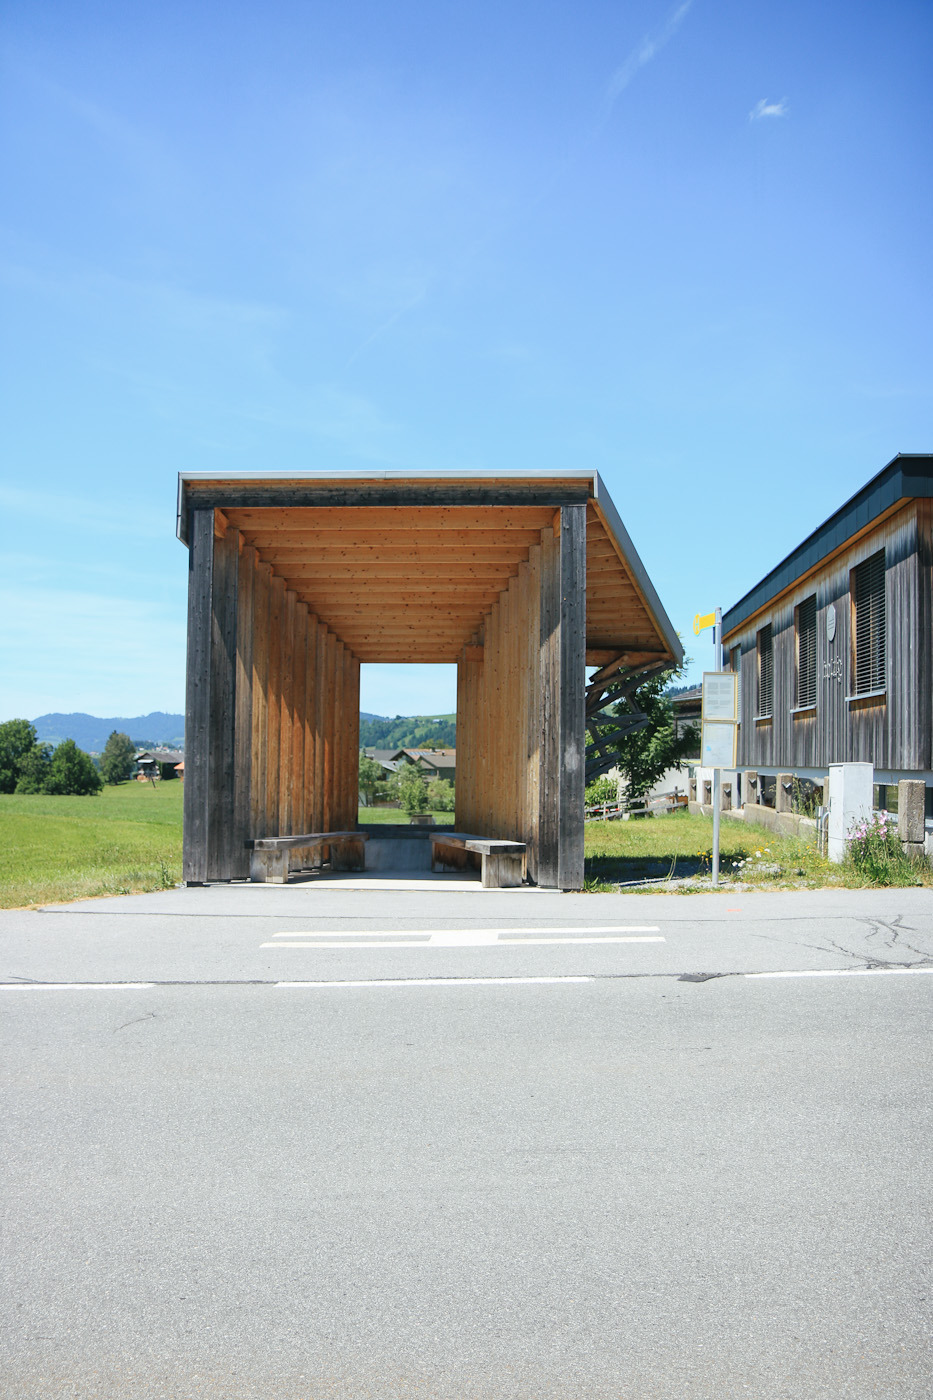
column 149, row 1016
column 923, row 957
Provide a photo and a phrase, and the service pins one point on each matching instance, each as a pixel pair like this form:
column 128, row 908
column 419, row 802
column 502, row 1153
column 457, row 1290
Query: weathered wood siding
column 272, row 733
column 892, row 731
column 520, row 722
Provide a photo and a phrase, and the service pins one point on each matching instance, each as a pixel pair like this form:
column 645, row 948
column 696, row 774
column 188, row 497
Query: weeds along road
column 496, row 1158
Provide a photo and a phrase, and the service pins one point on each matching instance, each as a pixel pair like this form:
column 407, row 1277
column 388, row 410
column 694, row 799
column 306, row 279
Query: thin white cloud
column 649, row 47
column 764, row 108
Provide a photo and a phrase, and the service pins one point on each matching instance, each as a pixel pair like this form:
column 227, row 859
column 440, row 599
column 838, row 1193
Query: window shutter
column 868, row 596
column 765, row 671
column 806, row 653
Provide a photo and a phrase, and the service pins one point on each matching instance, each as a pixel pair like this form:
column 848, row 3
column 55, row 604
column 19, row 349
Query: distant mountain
column 91, row 733
column 408, row 732
column 376, row 731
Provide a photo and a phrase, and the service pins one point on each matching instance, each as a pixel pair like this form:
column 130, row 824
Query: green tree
column 17, row 738
column 372, row 777
column 601, row 792
column 646, row 755
column 34, row 769
column 72, row 772
column 441, row 795
column 118, row 758
column 412, row 790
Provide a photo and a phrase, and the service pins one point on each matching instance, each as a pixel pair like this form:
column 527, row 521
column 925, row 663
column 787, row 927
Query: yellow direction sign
column 700, row 624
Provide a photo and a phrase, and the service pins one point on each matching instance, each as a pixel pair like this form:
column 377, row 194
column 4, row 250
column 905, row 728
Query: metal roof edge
column 449, row 474
column 639, row 572
column 902, row 484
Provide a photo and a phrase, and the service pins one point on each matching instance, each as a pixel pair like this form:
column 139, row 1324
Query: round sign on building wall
column 830, row 622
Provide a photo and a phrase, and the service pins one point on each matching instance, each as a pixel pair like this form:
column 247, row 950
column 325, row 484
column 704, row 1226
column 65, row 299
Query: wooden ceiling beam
column 433, row 576
column 408, row 518
column 399, row 621
column 418, row 590
column 383, row 539
column 316, row 556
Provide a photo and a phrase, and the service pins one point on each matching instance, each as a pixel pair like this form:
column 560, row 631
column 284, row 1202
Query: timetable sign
column 721, row 696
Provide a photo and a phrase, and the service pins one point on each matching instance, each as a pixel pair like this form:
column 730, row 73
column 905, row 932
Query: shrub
column 412, row 790
column 34, row 770
column 601, row 792
column 875, row 852
column 442, row 795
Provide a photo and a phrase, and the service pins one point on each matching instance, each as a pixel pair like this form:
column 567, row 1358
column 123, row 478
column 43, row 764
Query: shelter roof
column 404, row 566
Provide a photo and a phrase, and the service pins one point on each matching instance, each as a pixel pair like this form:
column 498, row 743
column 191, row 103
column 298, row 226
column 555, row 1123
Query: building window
column 868, row 626
column 765, row 672
column 805, row 620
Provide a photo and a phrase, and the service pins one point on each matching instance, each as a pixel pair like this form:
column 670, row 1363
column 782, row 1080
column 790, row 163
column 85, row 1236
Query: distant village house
column 161, row 763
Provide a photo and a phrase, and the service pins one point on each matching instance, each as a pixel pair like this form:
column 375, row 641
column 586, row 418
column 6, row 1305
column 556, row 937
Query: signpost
column 719, row 722
column 718, row 730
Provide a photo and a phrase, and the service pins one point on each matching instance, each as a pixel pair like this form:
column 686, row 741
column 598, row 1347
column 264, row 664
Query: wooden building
column 159, row 763
column 834, row 647
column 296, row 579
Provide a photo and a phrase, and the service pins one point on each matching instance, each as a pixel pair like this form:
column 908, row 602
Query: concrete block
column 398, row 853
column 784, row 793
column 911, row 810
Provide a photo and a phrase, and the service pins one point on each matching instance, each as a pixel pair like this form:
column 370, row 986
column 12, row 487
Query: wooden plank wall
column 498, row 733
column 892, row 731
column 520, row 711
column 272, row 728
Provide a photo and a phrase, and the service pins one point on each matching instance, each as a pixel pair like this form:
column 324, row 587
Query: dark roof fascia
column 907, row 476
column 257, row 488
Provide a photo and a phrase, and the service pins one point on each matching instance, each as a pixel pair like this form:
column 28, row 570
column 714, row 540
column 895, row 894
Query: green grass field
column 54, row 849
column 678, row 846
column 368, row 816
column 62, row 848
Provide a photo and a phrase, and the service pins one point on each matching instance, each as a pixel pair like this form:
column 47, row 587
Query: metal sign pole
column 717, row 803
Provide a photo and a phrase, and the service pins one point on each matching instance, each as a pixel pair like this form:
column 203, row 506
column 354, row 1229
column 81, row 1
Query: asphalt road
column 492, row 1159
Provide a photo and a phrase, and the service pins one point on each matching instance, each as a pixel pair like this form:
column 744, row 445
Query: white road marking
column 463, row 943
column 443, row 982
column 430, row 932
column 844, row 972
column 75, row 986
column 465, row 937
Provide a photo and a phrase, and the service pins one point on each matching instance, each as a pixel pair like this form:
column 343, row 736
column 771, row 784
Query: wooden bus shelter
column 296, row 578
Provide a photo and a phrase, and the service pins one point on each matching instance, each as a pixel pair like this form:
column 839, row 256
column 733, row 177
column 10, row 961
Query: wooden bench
column 501, row 860
column 269, row 855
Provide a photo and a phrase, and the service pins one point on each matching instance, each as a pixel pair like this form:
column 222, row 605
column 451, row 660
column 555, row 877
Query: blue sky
column 687, row 245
